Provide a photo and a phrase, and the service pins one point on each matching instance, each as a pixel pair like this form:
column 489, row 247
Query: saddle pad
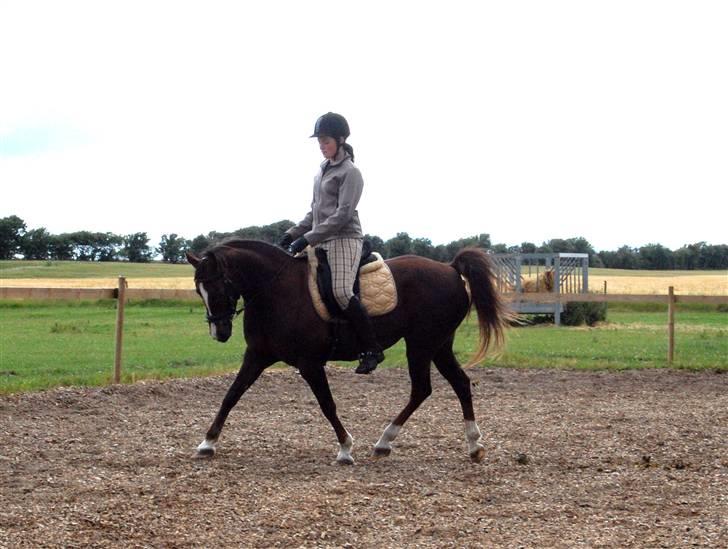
column 377, row 290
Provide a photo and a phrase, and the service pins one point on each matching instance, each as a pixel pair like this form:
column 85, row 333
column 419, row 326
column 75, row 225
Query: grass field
column 47, row 344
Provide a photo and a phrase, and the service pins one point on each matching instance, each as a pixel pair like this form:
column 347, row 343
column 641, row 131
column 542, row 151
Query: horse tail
column 493, row 314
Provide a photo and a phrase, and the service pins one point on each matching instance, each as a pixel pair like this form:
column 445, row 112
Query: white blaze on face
column 203, row 293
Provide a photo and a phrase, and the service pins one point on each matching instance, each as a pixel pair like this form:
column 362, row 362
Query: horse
column 280, row 324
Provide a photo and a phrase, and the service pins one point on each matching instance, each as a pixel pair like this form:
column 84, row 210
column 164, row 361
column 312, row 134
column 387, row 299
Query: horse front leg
column 253, row 365
column 315, row 375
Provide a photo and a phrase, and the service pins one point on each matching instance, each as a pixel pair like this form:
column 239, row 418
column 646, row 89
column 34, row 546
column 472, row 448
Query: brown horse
column 280, row 324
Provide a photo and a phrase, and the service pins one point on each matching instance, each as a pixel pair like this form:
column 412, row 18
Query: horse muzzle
column 221, row 331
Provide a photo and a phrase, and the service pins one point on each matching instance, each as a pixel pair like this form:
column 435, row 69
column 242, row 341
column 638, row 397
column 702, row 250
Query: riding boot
column 371, row 353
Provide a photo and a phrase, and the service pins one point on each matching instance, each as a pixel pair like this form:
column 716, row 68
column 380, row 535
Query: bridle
column 232, row 295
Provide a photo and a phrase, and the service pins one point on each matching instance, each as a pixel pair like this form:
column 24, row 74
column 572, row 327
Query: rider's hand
column 285, row 241
column 298, row 245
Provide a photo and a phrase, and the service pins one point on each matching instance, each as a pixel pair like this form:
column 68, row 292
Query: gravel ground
column 625, row 459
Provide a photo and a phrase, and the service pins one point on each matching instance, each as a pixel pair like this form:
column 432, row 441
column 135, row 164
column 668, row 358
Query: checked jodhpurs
column 344, row 255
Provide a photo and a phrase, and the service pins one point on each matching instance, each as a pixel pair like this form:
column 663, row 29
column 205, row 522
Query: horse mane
column 259, row 246
column 218, row 251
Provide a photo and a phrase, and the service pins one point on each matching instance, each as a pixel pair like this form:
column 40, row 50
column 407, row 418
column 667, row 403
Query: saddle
column 374, row 284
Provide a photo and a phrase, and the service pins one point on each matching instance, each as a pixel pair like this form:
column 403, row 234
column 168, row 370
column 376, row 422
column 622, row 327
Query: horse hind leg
column 419, row 371
column 450, row 368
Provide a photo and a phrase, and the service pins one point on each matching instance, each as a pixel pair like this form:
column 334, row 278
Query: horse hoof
column 204, row 453
column 348, row 460
column 477, row 455
column 381, row 452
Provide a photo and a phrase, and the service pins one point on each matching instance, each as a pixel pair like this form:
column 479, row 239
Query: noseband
column 232, row 296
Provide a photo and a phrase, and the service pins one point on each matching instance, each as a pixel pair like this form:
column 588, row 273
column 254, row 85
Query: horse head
column 217, row 292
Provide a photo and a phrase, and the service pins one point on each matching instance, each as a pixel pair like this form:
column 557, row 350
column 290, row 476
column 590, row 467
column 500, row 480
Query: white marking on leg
column 473, row 436
column 384, row 445
column 344, row 456
column 205, row 299
column 206, row 446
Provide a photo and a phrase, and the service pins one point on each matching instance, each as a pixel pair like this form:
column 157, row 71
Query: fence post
column 557, row 290
column 120, row 302
column 670, row 324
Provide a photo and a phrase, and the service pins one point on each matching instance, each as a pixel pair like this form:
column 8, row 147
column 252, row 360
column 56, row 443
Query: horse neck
column 253, row 270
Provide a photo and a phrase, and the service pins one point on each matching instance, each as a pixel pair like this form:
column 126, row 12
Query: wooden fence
column 124, row 294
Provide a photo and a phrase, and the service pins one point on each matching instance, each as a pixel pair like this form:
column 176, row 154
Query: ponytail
column 349, row 150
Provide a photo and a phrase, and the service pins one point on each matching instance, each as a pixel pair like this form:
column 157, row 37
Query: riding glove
column 298, row 245
column 285, row 241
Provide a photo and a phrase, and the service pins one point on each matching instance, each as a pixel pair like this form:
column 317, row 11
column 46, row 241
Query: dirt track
column 574, row 459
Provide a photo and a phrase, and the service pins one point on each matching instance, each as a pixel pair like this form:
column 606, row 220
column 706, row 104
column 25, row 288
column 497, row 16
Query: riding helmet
column 331, row 125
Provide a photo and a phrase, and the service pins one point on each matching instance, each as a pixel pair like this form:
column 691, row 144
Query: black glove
column 285, row 241
column 298, row 245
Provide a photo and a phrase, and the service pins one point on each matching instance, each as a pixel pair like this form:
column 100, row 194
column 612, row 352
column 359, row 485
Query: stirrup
column 368, row 361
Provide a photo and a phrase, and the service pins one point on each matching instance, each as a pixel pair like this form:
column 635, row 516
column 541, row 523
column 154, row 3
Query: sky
column 526, row 120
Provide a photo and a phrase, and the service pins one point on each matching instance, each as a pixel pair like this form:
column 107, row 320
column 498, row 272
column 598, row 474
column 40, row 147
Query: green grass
column 90, row 269
column 49, row 344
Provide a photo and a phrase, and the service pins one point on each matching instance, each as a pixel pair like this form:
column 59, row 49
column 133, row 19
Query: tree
column 527, row 248
column 107, row 246
column 274, row 232
column 479, row 241
column 399, row 245
column 12, row 229
column 173, row 247
column 199, row 244
column 83, row 245
column 36, row 244
column 376, row 242
column 655, row 256
column 90, row 246
column 424, row 248
column 267, row 233
column 61, row 247
column 136, row 248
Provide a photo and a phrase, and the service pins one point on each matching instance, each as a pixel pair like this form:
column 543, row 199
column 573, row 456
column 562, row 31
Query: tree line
column 16, row 240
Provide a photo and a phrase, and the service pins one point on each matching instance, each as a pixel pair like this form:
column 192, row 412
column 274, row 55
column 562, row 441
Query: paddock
column 635, row 458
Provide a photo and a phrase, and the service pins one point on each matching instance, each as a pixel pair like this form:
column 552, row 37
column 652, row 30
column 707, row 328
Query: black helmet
column 332, row 125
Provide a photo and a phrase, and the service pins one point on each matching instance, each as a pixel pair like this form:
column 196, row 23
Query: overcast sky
column 526, row 120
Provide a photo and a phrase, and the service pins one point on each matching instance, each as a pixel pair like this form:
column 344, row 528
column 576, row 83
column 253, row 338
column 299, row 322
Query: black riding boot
column 371, row 354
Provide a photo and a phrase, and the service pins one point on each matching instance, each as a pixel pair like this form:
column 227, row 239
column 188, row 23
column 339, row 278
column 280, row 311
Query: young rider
column 333, row 224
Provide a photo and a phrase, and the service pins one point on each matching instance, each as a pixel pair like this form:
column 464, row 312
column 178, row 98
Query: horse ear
column 193, row 259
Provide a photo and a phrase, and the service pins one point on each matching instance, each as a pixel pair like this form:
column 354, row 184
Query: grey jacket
column 337, row 189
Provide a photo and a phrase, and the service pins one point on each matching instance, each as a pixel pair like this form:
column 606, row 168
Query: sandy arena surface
column 574, row 459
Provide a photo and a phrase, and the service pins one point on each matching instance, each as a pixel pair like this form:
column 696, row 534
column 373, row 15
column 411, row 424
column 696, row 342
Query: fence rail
column 617, row 298
column 77, row 294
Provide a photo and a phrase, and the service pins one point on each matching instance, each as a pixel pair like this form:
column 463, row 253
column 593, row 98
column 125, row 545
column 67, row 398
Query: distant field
column 90, row 269
column 76, row 274
column 622, row 281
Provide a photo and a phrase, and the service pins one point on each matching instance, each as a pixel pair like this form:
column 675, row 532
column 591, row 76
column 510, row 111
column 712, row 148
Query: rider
column 333, row 224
